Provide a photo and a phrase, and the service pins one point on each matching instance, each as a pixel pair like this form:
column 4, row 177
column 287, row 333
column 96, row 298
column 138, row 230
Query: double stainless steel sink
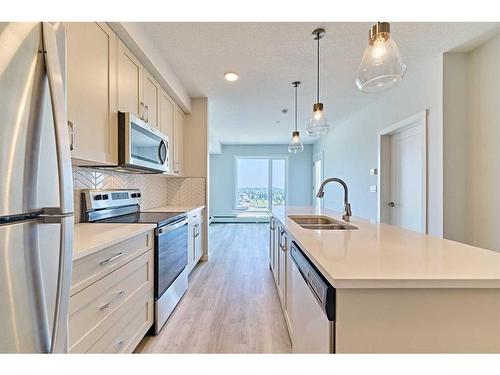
column 319, row 222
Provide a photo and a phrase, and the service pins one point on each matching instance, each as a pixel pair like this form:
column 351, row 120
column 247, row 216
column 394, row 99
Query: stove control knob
column 98, row 197
column 105, row 196
column 138, row 195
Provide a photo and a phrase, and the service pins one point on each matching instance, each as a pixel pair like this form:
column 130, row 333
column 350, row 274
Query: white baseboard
column 240, row 219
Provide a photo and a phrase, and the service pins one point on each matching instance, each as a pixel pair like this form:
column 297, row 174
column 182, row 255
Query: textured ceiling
column 270, row 56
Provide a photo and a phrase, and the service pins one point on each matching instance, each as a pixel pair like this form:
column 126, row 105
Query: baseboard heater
column 264, row 218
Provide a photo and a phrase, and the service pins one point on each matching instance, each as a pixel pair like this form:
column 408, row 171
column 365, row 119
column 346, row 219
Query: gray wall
column 222, row 177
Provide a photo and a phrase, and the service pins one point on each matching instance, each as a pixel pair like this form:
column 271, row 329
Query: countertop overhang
column 378, row 255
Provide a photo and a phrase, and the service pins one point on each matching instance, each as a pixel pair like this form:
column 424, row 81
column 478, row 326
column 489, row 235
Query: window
column 260, row 183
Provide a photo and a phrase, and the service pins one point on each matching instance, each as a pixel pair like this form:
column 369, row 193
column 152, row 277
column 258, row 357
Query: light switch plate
column 373, row 172
column 373, row 188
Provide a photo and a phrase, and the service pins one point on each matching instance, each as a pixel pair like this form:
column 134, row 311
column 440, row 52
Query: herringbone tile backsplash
column 157, row 190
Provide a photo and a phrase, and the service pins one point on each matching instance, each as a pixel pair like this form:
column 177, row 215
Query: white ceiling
column 270, row 56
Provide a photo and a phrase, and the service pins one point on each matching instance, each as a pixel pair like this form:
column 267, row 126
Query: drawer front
column 128, row 331
column 99, row 306
column 93, row 267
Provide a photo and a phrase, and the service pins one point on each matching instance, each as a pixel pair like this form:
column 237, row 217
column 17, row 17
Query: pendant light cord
column 296, row 107
column 317, row 92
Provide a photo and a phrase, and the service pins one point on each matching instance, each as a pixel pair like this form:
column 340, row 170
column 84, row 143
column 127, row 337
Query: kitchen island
column 401, row 291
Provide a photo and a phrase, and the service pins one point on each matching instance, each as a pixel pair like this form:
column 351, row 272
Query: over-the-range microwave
column 140, row 146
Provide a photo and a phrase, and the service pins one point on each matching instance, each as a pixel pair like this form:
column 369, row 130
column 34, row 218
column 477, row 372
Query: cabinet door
column 282, row 269
column 198, row 249
column 191, row 244
column 166, row 121
column 178, row 141
column 151, row 97
column 276, row 254
column 129, row 82
column 288, row 288
column 91, row 83
column 271, row 244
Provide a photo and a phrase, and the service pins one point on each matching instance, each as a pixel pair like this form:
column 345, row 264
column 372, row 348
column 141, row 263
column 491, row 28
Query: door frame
column 384, row 165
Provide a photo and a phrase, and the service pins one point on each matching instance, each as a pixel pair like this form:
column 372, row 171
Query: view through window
column 260, row 183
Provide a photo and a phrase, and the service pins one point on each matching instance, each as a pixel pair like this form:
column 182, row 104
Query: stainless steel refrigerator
column 36, row 192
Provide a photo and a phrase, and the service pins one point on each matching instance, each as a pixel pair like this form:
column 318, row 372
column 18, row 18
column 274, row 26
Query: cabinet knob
column 392, row 204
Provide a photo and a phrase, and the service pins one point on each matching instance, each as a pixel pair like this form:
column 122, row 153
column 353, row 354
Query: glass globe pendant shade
column 295, row 143
column 318, row 124
column 381, row 66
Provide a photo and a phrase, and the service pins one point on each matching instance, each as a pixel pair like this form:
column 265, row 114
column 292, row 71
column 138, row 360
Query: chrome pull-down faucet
column 347, row 206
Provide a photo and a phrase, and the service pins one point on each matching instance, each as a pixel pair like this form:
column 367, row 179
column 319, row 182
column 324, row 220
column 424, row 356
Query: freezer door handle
column 59, row 342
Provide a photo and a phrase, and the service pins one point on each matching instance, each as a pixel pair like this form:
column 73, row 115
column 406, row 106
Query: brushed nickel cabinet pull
column 72, row 135
column 106, row 305
column 112, row 258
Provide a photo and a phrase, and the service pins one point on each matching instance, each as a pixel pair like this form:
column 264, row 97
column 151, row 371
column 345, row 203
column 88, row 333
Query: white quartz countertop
column 174, row 209
column 91, row 237
column 385, row 256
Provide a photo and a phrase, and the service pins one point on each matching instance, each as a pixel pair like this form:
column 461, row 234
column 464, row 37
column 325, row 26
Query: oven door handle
column 171, row 227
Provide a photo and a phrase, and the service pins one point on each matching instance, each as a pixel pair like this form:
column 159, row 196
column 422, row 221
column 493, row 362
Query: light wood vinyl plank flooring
column 232, row 305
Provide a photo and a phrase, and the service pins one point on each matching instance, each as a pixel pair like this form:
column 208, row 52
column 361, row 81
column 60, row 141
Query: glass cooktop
column 159, row 218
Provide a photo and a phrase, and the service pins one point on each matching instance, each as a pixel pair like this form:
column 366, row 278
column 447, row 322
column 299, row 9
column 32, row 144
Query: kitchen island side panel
column 437, row 320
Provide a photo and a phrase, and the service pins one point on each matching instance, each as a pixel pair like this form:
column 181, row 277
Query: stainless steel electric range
column 171, row 242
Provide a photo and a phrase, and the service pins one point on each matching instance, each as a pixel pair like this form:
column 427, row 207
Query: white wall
column 472, row 145
column 484, row 167
column 455, row 146
column 350, row 148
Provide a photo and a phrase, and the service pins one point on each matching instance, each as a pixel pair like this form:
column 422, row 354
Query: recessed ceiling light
column 231, row 76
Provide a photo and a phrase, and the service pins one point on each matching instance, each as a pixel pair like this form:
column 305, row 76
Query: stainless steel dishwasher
column 313, row 307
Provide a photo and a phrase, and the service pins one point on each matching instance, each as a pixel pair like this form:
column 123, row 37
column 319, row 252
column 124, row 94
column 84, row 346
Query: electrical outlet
column 373, row 188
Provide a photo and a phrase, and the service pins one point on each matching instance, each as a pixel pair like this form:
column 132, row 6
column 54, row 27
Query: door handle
column 392, row 204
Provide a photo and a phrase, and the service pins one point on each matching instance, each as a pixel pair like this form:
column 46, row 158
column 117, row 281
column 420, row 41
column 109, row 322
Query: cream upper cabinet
column 91, row 92
column 166, row 124
column 178, row 141
column 130, row 82
column 151, row 98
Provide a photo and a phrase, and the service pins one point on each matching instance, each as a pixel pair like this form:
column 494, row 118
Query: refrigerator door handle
column 59, row 342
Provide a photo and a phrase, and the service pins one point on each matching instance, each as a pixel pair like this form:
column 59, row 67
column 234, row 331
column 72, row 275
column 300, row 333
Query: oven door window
column 147, row 147
column 171, row 257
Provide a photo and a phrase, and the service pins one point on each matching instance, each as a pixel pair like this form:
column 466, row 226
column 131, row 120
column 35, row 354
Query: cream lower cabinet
column 196, row 234
column 112, row 300
column 91, row 92
column 281, row 268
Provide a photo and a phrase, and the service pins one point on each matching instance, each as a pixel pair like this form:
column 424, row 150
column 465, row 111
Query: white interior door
column 406, row 171
column 317, row 179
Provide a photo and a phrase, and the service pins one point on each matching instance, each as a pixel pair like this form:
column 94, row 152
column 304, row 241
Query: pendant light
column 318, row 124
column 381, row 66
column 295, row 143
